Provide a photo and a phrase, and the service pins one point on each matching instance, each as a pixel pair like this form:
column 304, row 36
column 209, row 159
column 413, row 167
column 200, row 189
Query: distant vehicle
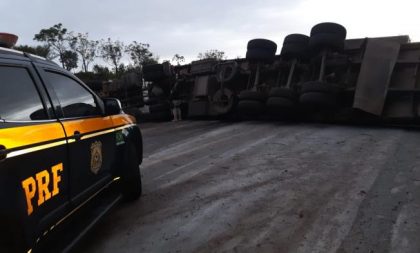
column 320, row 76
column 66, row 155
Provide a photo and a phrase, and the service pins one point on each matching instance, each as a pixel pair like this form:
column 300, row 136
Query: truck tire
column 259, row 55
column 316, row 86
column 318, row 100
column 327, row 36
column 250, row 107
column 328, row 27
column 319, row 94
column 268, row 45
column 261, row 50
column 295, row 46
column 280, row 102
column 252, row 95
column 282, row 92
column 225, row 72
column 223, row 105
column 281, row 98
column 131, row 178
column 326, row 41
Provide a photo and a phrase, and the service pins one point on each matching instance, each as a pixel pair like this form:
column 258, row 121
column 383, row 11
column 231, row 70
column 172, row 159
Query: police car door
column 92, row 143
column 33, row 156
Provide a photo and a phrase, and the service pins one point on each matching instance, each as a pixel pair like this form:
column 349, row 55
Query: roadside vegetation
column 98, row 59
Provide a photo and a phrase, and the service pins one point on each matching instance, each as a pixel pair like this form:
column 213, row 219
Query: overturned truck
column 321, row 76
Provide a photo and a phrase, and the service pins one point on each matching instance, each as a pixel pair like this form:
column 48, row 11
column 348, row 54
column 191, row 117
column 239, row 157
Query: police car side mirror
column 112, row 106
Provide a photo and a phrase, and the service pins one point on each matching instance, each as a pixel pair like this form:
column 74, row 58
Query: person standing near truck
column 176, row 102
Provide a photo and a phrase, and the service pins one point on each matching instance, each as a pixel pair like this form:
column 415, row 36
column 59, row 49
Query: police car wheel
column 131, row 178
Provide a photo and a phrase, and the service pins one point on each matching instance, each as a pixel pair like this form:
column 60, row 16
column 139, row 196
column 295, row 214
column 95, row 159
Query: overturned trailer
column 321, row 76
column 128, row 89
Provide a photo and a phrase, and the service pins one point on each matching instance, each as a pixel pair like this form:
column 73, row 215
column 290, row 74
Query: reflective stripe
column 123, row 119
column 24, row 132
column 87, row 126
column 123, row 127
column 87, row 136
column 34, row 149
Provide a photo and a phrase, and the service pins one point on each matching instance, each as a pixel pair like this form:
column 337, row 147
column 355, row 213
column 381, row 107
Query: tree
column 212, row 54
column 112, row 52
column 70, row 59
column 56, row 38
column 140, row 54
column 178, row 59
column 102, row 72
column 43, row 51
column 86, row 48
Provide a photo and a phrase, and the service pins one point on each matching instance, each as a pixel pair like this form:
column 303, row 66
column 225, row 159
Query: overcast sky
column 187, row 27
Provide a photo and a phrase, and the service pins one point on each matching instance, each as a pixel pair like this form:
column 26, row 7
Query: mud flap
column 375, row 75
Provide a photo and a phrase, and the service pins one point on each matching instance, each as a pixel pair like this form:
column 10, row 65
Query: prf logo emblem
column 45, row 184
column 96, row 157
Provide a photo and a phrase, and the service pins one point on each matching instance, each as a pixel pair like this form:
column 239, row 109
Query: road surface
column 211, row 186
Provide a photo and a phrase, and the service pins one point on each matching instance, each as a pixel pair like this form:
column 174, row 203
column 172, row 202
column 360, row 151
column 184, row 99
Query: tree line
column 75, row 50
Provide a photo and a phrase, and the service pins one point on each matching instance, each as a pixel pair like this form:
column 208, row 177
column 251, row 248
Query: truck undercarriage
column 315, row 78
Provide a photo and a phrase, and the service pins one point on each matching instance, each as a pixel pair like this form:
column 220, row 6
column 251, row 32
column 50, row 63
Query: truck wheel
column 316, row 86
column 319, row 94
column 281, row 99
column 225, row 72
column 269, row 45
column 280, row 102
column 329, row 27
column 259, row 55
column 261, row 50
column 295, row 46
column 320, row 100
column 131, row 178
column 250, row 107
column 252, row 95
column 223, row 104
column 282, row 92
column 325, row 40
column 327, row 36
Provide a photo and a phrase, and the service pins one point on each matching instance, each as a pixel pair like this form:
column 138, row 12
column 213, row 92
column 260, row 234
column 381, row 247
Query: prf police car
column 66, row 155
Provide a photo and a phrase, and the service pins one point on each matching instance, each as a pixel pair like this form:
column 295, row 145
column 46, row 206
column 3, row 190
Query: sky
column 188, row 27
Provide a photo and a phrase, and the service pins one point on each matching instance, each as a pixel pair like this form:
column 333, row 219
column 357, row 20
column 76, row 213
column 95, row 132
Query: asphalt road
column 270, row 187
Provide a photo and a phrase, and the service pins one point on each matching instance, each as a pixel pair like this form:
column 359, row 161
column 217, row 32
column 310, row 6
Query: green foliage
column 140, row 54
column 87, row 76
column 112, row 52
column 70, row 48
column 56, row 38
column 43, row 51
column 102, row 72
column 86, row 48
column 70, row 59
column 178, row 59
column 212, row 54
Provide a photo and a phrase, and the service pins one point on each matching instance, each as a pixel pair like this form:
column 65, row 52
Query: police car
column 66, row 156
